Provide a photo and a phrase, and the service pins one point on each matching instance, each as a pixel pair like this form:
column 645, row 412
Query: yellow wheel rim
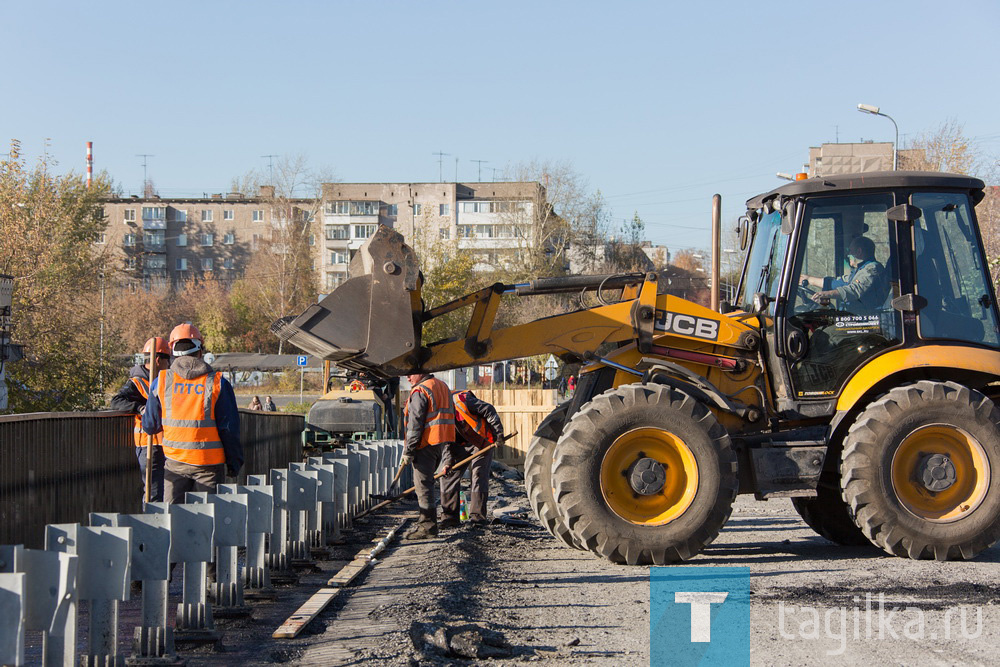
column 909, row 473
column 679, row 470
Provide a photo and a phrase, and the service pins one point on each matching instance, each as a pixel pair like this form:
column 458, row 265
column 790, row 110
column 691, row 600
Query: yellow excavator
column 855, row 372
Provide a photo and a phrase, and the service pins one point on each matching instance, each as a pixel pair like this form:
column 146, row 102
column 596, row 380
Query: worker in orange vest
column 477, row 425
column 132, row 398
column 195, row 409
column 430, row 426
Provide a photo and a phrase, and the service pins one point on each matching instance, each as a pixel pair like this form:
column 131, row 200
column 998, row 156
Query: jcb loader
column 855, row 376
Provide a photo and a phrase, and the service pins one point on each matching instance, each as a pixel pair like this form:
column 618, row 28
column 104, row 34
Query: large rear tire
column 830, row 516
column 921, row 471
column 538, row 475
column 644, row 474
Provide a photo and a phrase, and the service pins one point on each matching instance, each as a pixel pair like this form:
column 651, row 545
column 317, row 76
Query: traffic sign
column 302, row 360
column 551, row 363
column 551, row 373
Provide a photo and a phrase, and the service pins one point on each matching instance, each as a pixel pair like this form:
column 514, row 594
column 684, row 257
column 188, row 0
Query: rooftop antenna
column 441, row 157
column 144, row 156
column 479, row 173
column 270, row 168
column 456, row 169
column 495, row 170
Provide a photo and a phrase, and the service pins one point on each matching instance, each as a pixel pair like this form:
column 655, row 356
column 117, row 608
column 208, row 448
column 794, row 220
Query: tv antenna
column 144, row 157
column 270, row 168
column 441, row 156
column 479, row 166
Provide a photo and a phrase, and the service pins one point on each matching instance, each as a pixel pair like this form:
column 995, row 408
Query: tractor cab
column 847, row 268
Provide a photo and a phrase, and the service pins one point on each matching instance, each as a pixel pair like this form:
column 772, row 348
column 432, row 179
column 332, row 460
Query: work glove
column 406, row 460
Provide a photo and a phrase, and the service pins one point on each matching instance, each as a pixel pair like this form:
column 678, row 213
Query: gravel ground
column 552, row 604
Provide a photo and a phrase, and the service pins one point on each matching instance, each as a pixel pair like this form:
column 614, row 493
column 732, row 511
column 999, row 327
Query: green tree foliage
column 448, row 274
column 48, row 228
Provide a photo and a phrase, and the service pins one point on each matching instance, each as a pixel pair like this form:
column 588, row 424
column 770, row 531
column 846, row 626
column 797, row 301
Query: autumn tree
column 51, row 230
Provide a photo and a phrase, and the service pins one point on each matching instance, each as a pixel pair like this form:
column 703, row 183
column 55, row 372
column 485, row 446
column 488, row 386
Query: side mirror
column 743, row 229
column 760, row 303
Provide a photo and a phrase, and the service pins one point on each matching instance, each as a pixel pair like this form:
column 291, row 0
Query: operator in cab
column 863, row 289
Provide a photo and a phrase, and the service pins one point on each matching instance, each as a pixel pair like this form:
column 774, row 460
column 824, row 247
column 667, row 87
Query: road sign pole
column 302, row 374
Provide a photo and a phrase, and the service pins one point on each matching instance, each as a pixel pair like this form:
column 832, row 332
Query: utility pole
column 456, row 169
column 270, row 168
column 479, row 173
column 144, row 157
column 441, row 156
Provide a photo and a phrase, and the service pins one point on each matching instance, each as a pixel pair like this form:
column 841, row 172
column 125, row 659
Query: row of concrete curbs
column 283, row 519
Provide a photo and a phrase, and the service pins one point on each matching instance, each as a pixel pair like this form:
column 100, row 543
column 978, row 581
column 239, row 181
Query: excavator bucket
column 372, row 317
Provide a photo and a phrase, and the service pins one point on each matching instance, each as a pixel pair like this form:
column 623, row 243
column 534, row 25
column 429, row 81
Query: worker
column 132, row 398
column 863, row 289
column 429, row 418
column 195, row 409
column 477, row 425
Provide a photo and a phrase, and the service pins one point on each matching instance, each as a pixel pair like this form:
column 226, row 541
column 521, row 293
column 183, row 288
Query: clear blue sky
column 658, row 104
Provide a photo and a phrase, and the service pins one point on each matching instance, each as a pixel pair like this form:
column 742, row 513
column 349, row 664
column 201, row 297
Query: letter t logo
column 701, row 612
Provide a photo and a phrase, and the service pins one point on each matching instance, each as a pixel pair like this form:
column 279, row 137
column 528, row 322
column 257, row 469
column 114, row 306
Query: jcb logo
column 686, row 325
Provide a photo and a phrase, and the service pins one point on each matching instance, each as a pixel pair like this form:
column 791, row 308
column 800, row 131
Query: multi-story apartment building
column 832, row 159
column 492, row 220
column 169, row 241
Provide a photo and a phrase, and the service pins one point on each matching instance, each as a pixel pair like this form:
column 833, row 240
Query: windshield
column 758, row 277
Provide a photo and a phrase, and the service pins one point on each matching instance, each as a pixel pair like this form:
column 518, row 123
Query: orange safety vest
column 142, row 439
column 188, row 410
column 473, row 428
column 439, row 424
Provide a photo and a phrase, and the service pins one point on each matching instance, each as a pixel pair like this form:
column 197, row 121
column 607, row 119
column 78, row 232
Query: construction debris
column 462, row 641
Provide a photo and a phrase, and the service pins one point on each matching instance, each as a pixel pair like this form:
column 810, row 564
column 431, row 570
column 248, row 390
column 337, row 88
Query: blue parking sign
column 302, row 360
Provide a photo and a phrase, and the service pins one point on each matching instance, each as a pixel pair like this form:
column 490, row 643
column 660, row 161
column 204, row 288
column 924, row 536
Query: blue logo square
column 699, row 616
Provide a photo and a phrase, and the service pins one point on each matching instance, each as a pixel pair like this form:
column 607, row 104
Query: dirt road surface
column 557, row 605
column 553, row 604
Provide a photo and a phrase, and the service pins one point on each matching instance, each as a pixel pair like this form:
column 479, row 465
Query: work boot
column 450, row 522
column 478, row 520
column 422, row 531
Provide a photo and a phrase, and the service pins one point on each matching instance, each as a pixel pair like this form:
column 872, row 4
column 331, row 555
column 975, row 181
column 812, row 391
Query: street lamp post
column 873, row 110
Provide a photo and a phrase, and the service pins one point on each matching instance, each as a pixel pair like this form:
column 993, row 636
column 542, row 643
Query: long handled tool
column 437, row 476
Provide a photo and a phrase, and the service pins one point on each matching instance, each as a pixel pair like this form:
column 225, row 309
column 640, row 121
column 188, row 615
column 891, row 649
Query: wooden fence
column 520, row 410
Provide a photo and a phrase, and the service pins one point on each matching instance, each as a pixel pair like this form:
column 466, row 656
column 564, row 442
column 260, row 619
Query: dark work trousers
column 425, row 463
column 179, row 478
column 156, row 493
column 451, row 484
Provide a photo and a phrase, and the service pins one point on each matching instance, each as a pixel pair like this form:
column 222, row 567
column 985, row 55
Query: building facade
column 833, row 159
column 491, row 220
column 169, row 241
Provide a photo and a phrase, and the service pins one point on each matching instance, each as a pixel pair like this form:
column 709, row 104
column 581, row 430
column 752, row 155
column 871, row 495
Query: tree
column 51, row 230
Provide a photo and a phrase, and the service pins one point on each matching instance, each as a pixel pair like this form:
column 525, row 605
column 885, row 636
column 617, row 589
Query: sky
column 657, row 105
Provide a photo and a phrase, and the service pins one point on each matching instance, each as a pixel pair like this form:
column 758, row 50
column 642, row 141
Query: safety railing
column 57, row 467
column 282, row 518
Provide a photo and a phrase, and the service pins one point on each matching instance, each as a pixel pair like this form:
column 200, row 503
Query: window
column 130, row 263
column 392, row 210
column 951, row 272
column 206, row 263
column 206, row 216
column 229, row 238
column 130, row 215
column 100, row 237
column 353, row 208
column 154, row 212
column 444, row 209
column 465, row 231
column 227, row 263
column 417, row 209
column 153, row 239
column 207, row 240
column 255, row 241
column 128, row 240
column 364, row 231
column 338, row 207
column 338, row 257
column 182, row 240
column 337, row 233
column 227, row 214
column 258, row 215
column 156, row 262
column 333, row 280
column 180, row 215
column 444, row 233
column 182, row 264
column 312, row 239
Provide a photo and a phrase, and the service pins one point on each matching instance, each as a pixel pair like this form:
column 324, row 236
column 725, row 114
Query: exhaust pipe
column 716, row 249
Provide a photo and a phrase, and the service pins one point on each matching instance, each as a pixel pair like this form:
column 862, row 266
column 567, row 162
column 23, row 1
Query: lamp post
column 873, row 110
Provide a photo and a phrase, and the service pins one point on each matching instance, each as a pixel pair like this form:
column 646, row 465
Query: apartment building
column 491, row 220
column 847, row 158
column 169, row 241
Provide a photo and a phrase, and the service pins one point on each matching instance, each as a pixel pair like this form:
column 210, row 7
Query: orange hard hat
column 157, row 345
column 189, row 332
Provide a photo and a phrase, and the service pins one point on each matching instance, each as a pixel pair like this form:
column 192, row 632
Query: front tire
column 538, row 475
column 830, row 516
column 645, row 474
column 921, row 471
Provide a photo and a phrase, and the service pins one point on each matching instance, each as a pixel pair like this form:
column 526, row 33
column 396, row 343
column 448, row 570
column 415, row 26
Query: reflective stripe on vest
column 439, row 424
column 473, row 429
column 141, row 438
column 190, row 434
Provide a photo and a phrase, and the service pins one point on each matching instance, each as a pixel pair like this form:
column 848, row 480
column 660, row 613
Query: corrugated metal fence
column 57, row 467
